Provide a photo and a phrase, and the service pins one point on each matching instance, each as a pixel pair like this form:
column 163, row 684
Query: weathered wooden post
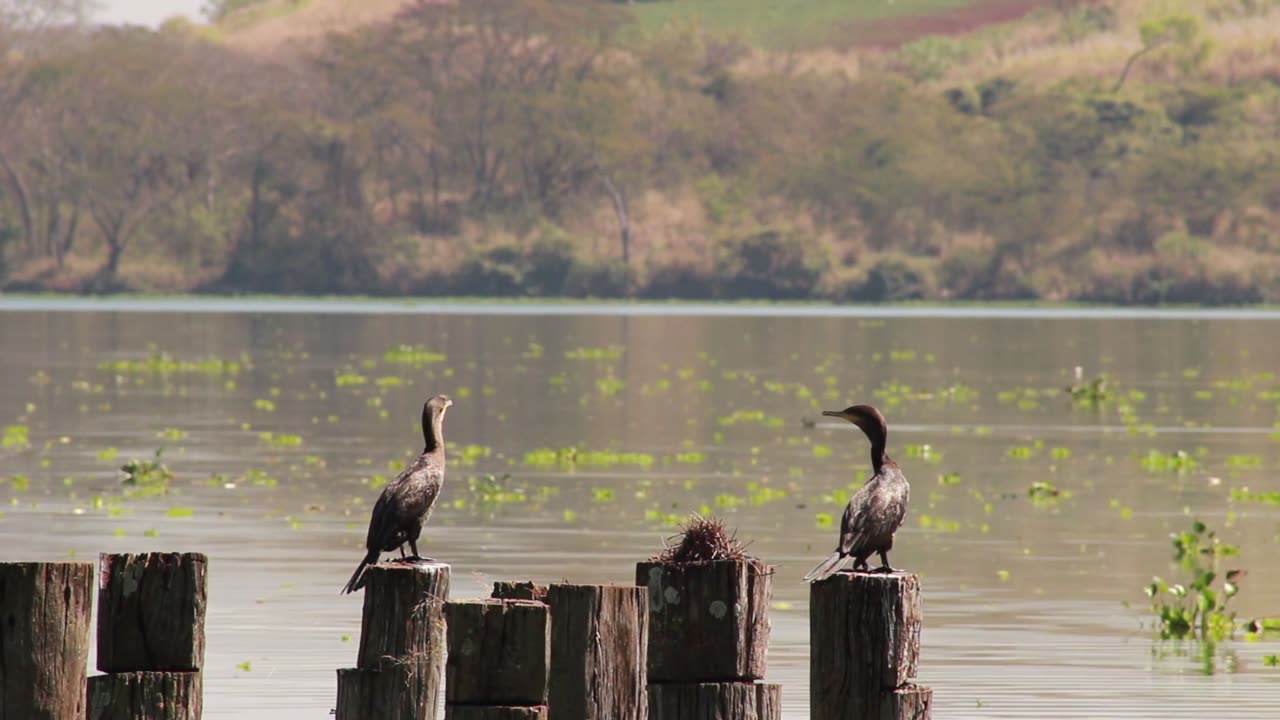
column 598, row 638
column 499, row 654
column 864, row 647
column 151, row 610
column 708, row 629
column 44, row 639
column 400, row 663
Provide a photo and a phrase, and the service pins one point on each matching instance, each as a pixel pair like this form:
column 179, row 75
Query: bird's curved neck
column 879, row 440
column 432, row 431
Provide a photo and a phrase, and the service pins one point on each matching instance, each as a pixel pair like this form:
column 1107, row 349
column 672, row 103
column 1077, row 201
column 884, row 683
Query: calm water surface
column 1025, row 612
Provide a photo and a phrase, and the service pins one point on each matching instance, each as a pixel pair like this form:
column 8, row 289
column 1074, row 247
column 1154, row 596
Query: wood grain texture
column 519, row 590
column 494, row 712
column 405, row 690
column 403, row 613
column 715, row 701
column 708, row 622
column 151, row 611
column 146, row 696
column 44, row 639
column 864, row 644
column 598, row 639
column 499, row 652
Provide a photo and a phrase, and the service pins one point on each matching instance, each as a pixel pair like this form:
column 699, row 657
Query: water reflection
column 1023, row 600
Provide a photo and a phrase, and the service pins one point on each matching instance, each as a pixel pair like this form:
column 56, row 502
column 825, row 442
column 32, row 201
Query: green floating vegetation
column 164, row 364
column 1244, row 462
column 147, row 477
column 490, row 490
column 1199, row 609
column 1044, row 493
column 1179, row 461
column 611, row 352
column 412, row 355
column 275, row 439
column 264, row 405
column 176, row 512
column 609, row 385
column 575, row 455
column 738, row 416
column 932, row 522
column 923, row 452
column 15, row 437
column 951, row 478
column 348, row 378
column 1092, row 393
column 1244, row 494
column 690, row 457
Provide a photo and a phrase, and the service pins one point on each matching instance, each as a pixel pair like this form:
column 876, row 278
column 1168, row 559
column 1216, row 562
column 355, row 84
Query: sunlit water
column 1025, row 611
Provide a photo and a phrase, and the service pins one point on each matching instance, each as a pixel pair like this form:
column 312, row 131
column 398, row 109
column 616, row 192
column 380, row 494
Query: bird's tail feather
column 357, row 578
column 826, row 568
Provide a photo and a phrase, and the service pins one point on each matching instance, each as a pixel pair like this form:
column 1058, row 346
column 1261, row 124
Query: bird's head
column 437, row 405
column 866, row 417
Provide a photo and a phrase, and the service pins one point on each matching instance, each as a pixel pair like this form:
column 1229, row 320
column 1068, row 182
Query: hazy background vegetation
column 1121, row 150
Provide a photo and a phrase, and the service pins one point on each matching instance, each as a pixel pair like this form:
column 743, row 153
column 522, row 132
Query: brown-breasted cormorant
column 405, row 502
column 876, row 511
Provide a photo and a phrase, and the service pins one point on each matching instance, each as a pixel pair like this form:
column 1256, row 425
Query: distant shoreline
column 349, row 305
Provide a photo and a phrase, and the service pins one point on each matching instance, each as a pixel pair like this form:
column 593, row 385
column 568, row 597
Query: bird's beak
column 833, row 413
column 448, row 403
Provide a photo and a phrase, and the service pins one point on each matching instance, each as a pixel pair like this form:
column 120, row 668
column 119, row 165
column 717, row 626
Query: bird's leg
column 884, row 563
column 401, row 551
column 860, row 564
column 413, row 545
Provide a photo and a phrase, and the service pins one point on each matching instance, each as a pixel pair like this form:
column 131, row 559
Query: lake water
column 682, row 409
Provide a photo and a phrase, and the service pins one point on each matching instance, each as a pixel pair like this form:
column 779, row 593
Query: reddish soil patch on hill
column 896, row 31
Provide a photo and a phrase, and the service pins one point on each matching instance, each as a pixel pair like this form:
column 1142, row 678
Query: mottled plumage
column 876, row 511
column 405, row 503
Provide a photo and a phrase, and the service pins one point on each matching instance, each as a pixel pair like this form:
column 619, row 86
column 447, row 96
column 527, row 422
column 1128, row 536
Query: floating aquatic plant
column 1198, row 609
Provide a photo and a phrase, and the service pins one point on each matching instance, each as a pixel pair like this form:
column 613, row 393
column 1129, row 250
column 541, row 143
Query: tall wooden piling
column 864, row 648
column 151, row 613
column 44, row 639
column 598, row 639
column 400, row 661
column 498, row 660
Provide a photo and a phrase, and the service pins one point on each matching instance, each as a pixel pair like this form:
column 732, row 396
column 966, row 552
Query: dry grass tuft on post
column 702, row 539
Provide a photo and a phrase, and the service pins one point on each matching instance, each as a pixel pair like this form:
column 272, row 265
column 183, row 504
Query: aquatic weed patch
column 1198, row 609
column 164, row 364
column 412, row 355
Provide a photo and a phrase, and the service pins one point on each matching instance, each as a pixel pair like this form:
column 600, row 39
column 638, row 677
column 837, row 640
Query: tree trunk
column 24, row 201
column 619, row 200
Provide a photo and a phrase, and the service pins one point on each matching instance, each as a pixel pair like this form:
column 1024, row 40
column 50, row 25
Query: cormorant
column 405, row 502
column 876, row 511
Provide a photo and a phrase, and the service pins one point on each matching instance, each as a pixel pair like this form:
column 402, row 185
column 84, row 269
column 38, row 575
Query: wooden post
column 151, row 610
column 400, row 662
column 708, row 622
column 499, row 651
column 492, row 712
column 598, row 639
column 715, row 701
column 864, row 646
column 145, row 696
column 519, row 590
column 44, row 639
column 708, row 636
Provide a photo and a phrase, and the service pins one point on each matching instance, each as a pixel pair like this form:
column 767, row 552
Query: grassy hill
column 768, row 24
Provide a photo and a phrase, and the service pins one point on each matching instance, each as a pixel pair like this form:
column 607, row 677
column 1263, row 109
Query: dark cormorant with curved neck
column 405, row 502
column 876, row 511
